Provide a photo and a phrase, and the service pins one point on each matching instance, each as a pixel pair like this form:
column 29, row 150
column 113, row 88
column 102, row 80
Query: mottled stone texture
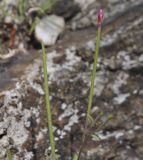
column 118, row 91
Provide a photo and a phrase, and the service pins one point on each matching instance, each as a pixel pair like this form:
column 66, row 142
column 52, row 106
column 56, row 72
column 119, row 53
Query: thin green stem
column 91, row 92
column 94, row 72
column 48, row 106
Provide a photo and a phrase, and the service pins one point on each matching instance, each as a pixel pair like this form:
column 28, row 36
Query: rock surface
column 118, row 91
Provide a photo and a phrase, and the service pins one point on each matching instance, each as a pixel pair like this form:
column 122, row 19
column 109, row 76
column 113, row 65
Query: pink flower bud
column 100, row 17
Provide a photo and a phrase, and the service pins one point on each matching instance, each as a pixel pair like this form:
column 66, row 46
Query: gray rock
column 118, row 91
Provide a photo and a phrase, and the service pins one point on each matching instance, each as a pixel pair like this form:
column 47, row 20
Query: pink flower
column 100, row 17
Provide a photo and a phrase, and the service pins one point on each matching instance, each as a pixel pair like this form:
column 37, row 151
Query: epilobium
column 100, row 18
column 88, row 116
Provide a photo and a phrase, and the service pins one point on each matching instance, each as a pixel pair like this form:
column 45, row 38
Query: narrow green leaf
column 95, row 137
column 75, row 157
column 110, row 117
column 90, row 119
column 9, row 154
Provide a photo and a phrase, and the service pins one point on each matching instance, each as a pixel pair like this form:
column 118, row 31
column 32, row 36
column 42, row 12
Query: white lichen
column 120, row 79
column 121, row 98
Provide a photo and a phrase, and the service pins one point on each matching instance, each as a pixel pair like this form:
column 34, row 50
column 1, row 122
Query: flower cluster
column 100, row 17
